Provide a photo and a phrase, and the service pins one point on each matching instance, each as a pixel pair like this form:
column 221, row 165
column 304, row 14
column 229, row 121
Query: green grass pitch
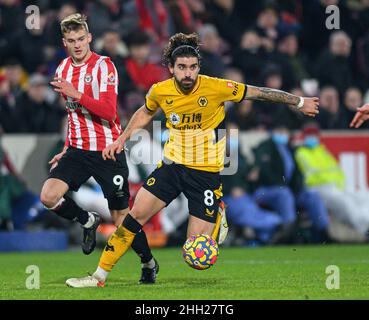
column 291, row 272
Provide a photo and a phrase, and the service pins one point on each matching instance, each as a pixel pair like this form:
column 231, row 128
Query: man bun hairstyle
column 181, row 45
column 73, row 22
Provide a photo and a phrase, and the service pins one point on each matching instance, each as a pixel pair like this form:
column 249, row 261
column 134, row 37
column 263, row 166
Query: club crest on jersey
column 174, row 118
column 88, row 78
column 203, row 102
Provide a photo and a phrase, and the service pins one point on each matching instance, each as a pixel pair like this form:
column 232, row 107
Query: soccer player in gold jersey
column 194, row 153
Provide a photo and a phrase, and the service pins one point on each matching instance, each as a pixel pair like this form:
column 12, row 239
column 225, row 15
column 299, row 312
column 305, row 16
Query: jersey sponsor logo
column 151, row 182
column 190, row 127
column 203, row 102
column 174, row 118
column 235, row 91
column 229, row 84
column 191, row 117
column 72, row 105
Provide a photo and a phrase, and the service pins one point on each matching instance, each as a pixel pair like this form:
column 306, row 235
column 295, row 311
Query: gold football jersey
column 195, row 120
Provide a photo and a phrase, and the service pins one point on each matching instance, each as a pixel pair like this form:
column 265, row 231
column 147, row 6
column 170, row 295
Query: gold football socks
column 119, row 243
column 117, row 246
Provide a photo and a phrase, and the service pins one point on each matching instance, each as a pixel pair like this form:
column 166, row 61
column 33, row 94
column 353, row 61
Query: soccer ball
column 200, row 251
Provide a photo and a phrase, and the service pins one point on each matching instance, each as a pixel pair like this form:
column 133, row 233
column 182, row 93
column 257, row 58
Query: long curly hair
column 181, row 45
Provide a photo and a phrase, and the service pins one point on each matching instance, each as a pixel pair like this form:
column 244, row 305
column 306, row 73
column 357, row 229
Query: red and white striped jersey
column 93, row 121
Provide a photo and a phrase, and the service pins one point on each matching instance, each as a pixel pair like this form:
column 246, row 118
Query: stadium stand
column 281, row 44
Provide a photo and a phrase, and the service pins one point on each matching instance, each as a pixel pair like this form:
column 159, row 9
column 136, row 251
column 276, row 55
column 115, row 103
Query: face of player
column 185, row 72
column 77, row 44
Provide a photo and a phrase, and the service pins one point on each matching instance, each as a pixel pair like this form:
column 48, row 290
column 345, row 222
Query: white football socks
column 90, row 222
column 150, row 264
column 100, row 274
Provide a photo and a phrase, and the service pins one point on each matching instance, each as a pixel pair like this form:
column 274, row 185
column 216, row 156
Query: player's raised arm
column 308, row 106
column 141, row 118
column 360, row 117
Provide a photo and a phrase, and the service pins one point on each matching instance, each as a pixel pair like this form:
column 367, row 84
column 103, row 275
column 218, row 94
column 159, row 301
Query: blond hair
column 73, row 22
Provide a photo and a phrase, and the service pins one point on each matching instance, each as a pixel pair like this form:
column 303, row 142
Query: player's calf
column 68, row 209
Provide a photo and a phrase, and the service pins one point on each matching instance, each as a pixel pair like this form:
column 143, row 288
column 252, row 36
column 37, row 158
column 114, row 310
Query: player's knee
column 135, row 212
column 49, row 198
column 138, row 213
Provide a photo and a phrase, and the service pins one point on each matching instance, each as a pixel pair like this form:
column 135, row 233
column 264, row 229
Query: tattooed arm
column 308, row 106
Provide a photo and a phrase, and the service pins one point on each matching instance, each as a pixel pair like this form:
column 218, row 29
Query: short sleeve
column 229, row 90
column 108, row 77
column 151, row 102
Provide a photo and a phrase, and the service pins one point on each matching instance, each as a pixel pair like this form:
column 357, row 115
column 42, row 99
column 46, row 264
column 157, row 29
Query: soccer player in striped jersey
column 89, row 84
column 194, row 152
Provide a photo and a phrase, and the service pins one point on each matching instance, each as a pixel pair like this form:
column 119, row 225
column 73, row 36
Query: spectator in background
column 8, row 119
column 198, row 11
column 329, row 116
column 211, row 60
column 242, row 210
column 142, row 72
column 181, row 15
column 353, row 99
column 36, row 111
column 323, row 174
column 29, row 47
column 234, row 74
column 11, row 24
column 16, row 75
column 154, row 19
column 288, row 57
column 65, row 10
column 333, row 67
column 111, row 45
column 139, row 73
column 266, row 26
column 315, row 34
column 116, row 14
column 280, row 185
column 250, row 57
column 243, row 116
column 225, row 16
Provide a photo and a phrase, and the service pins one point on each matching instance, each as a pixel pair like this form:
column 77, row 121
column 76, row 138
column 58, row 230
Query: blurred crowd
column 283, row 44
